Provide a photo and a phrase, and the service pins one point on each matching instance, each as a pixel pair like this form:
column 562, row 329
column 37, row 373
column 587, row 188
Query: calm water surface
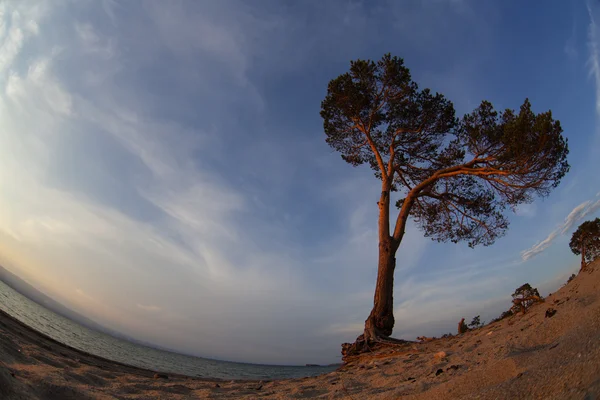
column 100, row 344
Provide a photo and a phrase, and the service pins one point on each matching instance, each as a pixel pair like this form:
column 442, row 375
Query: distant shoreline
column 10, row 324
column 23, row 289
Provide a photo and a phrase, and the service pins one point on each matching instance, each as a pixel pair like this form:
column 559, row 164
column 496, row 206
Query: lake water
column 103, row 345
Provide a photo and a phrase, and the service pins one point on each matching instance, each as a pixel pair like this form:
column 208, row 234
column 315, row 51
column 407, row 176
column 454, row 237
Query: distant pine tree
column 476, row 323
column 586, row 241
column 524, row 297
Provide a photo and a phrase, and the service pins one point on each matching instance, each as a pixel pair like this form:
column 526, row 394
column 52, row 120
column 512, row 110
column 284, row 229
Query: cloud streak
column 576, row 215
column 594, row 58
column 151, row 308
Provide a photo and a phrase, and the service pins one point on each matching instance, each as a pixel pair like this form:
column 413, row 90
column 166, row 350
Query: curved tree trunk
column 381, row 320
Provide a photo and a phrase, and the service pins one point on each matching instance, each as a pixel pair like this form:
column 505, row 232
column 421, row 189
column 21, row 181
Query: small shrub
column 476, row 323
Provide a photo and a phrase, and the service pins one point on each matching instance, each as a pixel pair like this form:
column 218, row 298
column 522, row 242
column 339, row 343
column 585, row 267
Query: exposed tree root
column 361, row 346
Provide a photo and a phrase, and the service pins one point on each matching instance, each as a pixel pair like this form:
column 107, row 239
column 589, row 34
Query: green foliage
column 571, row 278
column 586, row 241
column 524, row 297
column 476, row 323
column 455, row 176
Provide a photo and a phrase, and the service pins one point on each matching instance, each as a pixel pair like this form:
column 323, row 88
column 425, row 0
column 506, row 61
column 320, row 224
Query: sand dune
column 523, row 357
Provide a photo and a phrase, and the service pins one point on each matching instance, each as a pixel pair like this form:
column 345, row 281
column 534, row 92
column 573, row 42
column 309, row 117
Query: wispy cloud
column 594, row 58
column 92, row 42
column 571, row 50
column 571, row 43
column 152, row 308
column 18, row 25
column 576, row 215
column 527, row 210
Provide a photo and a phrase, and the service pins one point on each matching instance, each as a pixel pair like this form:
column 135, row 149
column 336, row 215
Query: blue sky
column 163, row 167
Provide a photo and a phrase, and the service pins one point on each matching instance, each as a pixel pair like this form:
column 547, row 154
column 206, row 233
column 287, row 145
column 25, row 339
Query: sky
column 164, row 171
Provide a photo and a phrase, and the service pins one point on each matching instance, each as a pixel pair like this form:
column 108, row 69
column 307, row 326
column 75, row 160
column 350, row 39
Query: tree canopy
column 524, row 297
column 586, row 241
column 455, row 176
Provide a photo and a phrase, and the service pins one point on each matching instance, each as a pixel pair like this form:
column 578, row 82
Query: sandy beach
column 528, row 356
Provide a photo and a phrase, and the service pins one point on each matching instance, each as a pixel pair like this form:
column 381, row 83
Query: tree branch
column 377, row 155
column 451, row 199
column 412, row 194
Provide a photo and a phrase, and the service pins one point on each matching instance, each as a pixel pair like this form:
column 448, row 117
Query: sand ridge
column 528, row 356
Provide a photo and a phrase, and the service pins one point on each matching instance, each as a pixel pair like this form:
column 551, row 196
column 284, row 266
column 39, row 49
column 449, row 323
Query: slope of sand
column 526, row 356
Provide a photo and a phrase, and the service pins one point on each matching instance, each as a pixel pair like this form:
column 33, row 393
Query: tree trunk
column 583, row 263
column 381, row 320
